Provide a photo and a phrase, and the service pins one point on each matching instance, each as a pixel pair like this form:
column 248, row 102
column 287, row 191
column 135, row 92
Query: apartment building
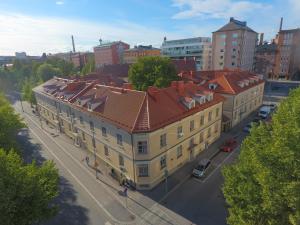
column 198, row 49
column 288, row 57
column 109, row 53
column 139, row 136
column 265, row 59
column 131, row 55
column 233, row 46
column 79, row 59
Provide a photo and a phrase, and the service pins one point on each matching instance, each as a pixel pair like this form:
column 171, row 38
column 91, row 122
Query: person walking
column 87, row 159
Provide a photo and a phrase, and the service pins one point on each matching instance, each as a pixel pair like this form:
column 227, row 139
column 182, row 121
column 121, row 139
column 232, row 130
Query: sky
column 38, row 26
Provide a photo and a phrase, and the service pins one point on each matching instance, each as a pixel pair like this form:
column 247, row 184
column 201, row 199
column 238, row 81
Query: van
column 264, row 112
column 200, row 169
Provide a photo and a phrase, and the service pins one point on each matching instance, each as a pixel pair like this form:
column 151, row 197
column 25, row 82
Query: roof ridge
column 223, row 75
column 138, row 115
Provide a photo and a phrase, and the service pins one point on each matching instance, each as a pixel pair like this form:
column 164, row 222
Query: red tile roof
column 138, row 111
column 184, row 65
column 227, row 81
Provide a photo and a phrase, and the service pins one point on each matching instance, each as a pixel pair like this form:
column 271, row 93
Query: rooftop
column 134, row 111
column 109, row 44
column 142, row 48
column 235, row 25
column 266, row 47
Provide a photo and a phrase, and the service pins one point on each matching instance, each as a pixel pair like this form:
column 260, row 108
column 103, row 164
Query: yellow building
column 139, row 136
column 131, row 55
column 242, row 90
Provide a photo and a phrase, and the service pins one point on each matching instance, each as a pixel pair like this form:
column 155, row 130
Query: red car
column 229, row 145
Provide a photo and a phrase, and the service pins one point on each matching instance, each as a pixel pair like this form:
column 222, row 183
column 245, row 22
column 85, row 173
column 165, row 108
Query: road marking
column 81, row 184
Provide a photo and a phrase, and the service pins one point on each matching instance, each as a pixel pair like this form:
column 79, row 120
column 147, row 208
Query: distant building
column 62, row 55
column 265, row 59
column 198, row 48
column 131, row 55
column 21, row 55
column 79, row 59
column 288, row 57
column 234, row 46
column 109, row 53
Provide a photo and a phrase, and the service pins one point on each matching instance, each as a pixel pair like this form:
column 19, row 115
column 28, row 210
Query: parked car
column 256, row 120
column 264, row 112
column 229, row 145
column 247, row 128
column 201, row 168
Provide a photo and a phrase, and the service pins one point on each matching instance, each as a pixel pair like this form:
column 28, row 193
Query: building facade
column 265, row 59
column 79, row 59
column 198, row 48
column 109, row 53
column 139, row 136
column 233, row 46
column 288, row 57
column 131, row 55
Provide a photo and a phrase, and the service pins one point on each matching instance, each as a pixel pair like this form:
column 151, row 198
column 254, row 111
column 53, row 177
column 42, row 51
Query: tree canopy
column 89, row 66
column 263, row 186
column 26, row 190
column 10, row 124
column 152, row 71
column 47, row 71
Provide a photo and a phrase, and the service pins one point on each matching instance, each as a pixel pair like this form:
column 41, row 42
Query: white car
column 200, row 169
column 264, row 112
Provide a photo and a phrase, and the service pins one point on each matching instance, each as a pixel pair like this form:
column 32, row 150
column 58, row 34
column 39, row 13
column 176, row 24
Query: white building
column 198, row 48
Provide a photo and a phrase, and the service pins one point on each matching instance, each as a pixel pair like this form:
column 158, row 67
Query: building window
column 235, row 35
column 121, row 160
column 179, row 132
column 143, row 170
column 163, row 140
column 234, row 43
column 233, row 49
column 221, row 64
column 104, row 134
column 192, row 142
column 216, row 127
column 201, row 137
column 221, row 56
column 179, row 151
column 217, row 112
column 235, row 115
column 232, row 63
column 83, row 136
column 81, row 119
column 92, row 126
column 221, row 50
column 119, row 139
column 202, row 120
column 209, row 132
column 209, row 116
column 224, row 43
column 142, row 147
column 163, row 162
column 192, row 125
column 223, row 35
column 106, row 152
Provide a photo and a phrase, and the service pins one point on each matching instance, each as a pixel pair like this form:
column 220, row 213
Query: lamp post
column 21, row 103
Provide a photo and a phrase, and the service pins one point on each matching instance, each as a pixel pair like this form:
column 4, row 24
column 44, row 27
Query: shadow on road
column 69, row 210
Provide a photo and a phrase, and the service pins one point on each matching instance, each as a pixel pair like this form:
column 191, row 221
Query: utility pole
column 21, row 104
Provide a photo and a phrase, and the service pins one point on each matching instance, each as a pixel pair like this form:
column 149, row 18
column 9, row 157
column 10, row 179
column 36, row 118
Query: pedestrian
column 87, row 159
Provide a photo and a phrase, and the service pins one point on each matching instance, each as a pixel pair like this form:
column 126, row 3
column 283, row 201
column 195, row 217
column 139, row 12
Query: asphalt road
column 82, row 200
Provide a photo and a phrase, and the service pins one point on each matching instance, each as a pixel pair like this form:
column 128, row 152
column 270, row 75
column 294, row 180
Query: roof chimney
column 73, row 44
column 261, row 39
column 281, row 22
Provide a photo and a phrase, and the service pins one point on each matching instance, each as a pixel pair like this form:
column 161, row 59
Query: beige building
column 138, row 135
column 133, row 54
column 233, row 46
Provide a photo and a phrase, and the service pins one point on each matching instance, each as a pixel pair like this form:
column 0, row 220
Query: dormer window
column 241, row 84
column 212, row 86
column 90, row 106
column 209, row 97
column 79, row 102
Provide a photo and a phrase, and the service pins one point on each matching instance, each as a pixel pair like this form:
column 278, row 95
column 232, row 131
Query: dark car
column 247, row 128
column 200, row 169
column 229, row 145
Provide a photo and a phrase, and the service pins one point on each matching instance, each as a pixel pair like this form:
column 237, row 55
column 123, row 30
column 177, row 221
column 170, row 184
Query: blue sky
column 38, row 26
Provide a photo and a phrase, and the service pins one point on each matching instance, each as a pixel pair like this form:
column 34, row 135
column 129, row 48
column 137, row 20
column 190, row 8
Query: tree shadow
column 69, row 210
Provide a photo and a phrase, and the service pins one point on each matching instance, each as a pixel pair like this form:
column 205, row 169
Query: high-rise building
column 288, row 57
column 109, row 53
column 131, row 55
column 234, row 46
column 198, row 48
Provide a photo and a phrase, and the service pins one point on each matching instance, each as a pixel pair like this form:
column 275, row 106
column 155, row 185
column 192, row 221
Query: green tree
column 10, row 124
column 27, row 93
column 26, row 191
column 263, row 186
column 89, row 66
column 47, row 71
column 152, row 71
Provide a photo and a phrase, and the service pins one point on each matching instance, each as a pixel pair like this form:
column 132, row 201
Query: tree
column 10, row 124
column 26, row 191
column 263, row 186
column 152, row 71
column 89, row 66
column 27, row 93
column 47, row 71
